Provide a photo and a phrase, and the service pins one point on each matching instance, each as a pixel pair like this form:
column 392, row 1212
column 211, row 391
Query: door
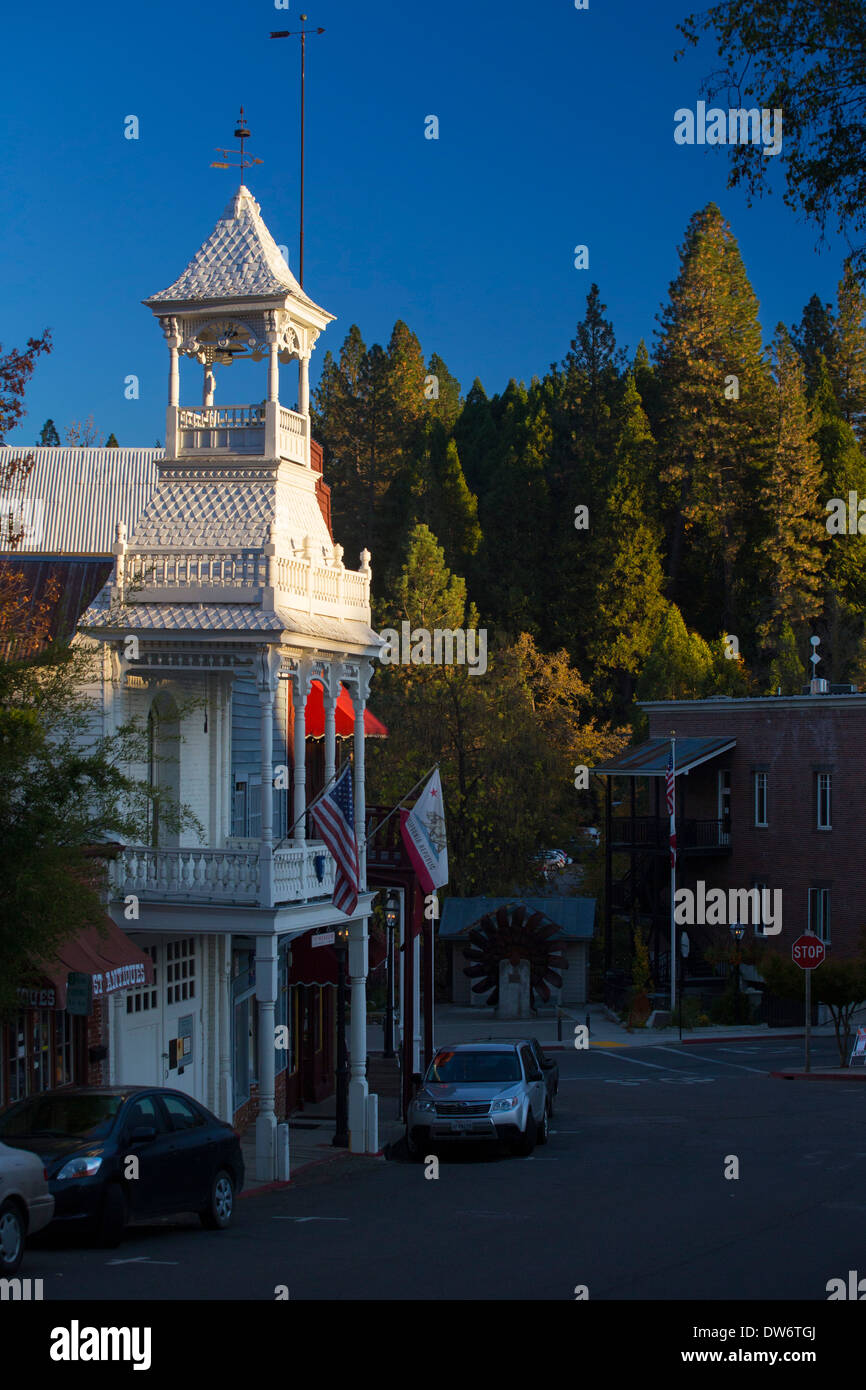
column 535, row 1082
column 195, row 1149
column 724, row 813
column 159, row 1184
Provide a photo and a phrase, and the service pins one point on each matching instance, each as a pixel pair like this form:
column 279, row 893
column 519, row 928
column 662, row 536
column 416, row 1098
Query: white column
column 273, row 368
column 301, row 682
column 268, row 676
column 304, row 385
column 173, row 373
column 115, row 1038
column 331, row 694
column 360, row 692
column 208, row 385
column 358, row 1089
column 266, row 996
column 225, row 1099
column 172, row 336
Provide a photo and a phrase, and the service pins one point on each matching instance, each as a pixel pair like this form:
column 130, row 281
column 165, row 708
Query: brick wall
column 791, row 739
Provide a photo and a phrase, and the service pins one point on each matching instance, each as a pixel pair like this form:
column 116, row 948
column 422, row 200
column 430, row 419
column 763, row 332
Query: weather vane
column 247, row 160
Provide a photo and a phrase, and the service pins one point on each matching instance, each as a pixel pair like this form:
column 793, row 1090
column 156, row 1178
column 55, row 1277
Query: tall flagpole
column 672, row 804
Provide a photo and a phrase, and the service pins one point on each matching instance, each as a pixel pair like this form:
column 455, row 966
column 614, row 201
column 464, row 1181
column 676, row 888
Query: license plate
column 463, row 1124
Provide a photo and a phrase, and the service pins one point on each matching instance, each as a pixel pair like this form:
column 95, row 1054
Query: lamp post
column 738, row 931
column 684, row 955
column 341, row 1137
column 392, row 910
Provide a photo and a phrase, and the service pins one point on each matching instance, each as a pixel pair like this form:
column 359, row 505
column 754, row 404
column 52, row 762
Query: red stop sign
column 807, row 952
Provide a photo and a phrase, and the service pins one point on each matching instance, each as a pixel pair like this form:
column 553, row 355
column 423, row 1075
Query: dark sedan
column 115, row 1154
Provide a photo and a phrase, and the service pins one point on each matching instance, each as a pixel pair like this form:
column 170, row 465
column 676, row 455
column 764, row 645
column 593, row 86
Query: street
column 628, row 1198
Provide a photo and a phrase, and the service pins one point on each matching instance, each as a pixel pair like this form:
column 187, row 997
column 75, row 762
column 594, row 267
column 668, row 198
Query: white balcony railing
column 267, row 429
column 222, row 875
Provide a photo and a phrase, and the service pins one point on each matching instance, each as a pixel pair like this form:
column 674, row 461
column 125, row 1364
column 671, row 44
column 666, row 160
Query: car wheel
column 11, row 1237
column 415, row 1151
column 544, row 1127
column 112, row 1218
column 221, row 1203
column 526, row 1142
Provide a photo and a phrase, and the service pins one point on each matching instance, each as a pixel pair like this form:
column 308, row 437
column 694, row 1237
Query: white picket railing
column 222, row 875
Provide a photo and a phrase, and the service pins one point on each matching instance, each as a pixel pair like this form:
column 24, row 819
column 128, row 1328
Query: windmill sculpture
column 514, row 933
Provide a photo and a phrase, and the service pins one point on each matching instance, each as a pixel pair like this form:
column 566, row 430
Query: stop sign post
column 808, row 952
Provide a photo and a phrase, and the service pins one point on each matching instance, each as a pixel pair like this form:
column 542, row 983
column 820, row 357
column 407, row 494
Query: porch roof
column 575, row 917
column 650, row 759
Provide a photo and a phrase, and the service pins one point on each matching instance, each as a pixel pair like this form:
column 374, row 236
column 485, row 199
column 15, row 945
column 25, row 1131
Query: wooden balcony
column 652, row 833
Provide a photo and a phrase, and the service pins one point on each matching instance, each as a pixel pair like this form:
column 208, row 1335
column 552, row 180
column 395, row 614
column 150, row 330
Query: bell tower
column 236, row 299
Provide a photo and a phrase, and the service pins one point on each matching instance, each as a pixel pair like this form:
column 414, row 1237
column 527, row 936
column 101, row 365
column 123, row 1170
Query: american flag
column 334, row 818
column 670, row 788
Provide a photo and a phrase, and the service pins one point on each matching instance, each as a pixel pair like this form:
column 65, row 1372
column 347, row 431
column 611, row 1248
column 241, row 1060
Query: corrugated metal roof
column 650, row 759
column 575, row 916
column 78, row 581
column 72, row 499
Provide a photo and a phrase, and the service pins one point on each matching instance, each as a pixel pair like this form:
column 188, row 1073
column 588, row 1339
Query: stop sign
column 807, row 952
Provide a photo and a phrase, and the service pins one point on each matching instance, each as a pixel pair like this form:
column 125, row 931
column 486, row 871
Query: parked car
column 548, row 1066
column 26, row 1205
column 551, row 860
column 115, row 1154
column 480, row 1091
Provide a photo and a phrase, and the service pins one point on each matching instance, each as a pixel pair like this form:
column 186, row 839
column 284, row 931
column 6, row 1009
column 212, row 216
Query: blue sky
column 556, row 128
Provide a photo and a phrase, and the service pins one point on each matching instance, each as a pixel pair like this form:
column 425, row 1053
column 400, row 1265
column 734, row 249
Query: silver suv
column 480, row 1091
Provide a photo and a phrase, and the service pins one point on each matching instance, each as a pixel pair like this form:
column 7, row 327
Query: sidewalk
column 455, row 1023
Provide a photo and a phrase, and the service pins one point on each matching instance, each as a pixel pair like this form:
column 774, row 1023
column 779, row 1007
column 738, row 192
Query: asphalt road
column 629, row 1198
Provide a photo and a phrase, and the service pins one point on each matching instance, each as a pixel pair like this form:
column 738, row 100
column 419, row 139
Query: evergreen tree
column 714, row 446
column 791, row 499
column 630, row 601
column 111, row 441
column 848, row 362
column 446, row 404
column 680, row 665
column 815, row 338
column 787, row 672
column 49, row 438
column 844, row 471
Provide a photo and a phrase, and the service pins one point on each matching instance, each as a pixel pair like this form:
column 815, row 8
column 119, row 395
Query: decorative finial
column 247, row 160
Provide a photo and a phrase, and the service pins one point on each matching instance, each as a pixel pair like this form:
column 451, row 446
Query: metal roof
column 72, row 499
column 650, row 759
column 574, row 916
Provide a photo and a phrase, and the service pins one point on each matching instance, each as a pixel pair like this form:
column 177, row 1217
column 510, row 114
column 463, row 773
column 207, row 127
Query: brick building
column 769, row 795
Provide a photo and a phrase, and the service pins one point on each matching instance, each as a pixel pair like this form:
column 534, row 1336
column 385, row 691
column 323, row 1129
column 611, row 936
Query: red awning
column 112, row 960
column 317, row 965
column 344, row 716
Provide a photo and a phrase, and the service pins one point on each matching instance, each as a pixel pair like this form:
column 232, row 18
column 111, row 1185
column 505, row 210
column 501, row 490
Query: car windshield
column 78, row 1117
column 474, row 1066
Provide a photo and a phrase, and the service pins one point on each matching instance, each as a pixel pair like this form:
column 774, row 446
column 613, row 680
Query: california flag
column 424, row 836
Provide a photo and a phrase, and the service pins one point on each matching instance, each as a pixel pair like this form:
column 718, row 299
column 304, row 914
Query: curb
column 845, row 1075
column 299, row 1168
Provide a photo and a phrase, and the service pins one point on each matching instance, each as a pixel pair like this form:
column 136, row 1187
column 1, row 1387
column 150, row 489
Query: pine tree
column 848, row 364
column 630, row 600
column 49, row 438
column 844, row 471
column 111, row 441
column 787, row 672
column 814, row 337
column 715, row 433
column 791, row 499
column 445, row 405
column 680, row 665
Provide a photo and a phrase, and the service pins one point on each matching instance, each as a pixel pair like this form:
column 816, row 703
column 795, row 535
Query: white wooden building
column 230, row 576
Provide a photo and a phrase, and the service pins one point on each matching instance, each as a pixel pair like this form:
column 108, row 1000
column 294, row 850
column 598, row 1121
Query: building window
column 819, row 912
column 760, row 798
column 180, row 970
column 824, row 800
column 139, row 1001
column 758, row 915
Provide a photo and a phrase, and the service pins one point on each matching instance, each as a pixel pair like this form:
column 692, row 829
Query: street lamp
column 684, row 955
column 341, row 1136
column 392, row 913
column 738, row 931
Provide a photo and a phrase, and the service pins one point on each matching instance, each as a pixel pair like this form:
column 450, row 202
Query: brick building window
column 824, row 800
column 760, row 781
column 819, row 912
column 759, row 914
